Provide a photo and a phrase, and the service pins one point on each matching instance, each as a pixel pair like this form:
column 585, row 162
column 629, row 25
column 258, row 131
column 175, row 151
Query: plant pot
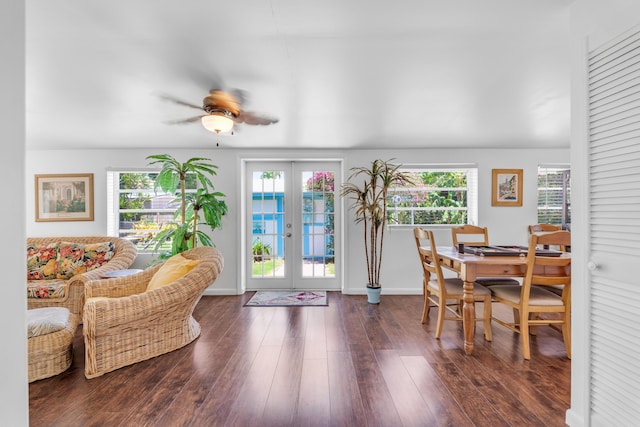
column 373, row 294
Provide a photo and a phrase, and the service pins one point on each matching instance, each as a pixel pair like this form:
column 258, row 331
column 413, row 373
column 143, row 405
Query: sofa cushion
column 55, row 288
column 78, row 258
column 173, row 269
column 42, row 321
column 42, row 262
column 98, row 254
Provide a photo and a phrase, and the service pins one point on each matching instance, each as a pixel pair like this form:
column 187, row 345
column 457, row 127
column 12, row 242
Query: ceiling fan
column 222, row 110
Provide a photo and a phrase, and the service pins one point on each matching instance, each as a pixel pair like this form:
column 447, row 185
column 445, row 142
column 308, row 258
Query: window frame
column 471, row 170
column 565, row 204
column 113, row 203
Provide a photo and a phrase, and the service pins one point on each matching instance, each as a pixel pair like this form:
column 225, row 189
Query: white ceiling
column 337, row 73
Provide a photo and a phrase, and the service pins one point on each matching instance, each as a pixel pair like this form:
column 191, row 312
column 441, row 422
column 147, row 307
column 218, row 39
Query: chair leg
column 442, row 308
column 533, row 329
column 566, row 335
column 425, row 309
column 524, row 334
column 487, row 319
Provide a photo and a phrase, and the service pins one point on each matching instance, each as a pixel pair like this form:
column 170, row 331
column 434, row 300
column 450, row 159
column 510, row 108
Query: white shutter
column 554, row 195
column 614, row 218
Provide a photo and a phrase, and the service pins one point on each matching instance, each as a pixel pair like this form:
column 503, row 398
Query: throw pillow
column 70, row 260
column 42, row 262
column 175, row 267
column 41, row 321
column 98, row 254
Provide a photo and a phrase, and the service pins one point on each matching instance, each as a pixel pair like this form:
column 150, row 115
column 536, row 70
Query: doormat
column 287, row 298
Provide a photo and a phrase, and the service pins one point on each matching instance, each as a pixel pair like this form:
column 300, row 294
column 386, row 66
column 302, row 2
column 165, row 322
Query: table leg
column 468, row 317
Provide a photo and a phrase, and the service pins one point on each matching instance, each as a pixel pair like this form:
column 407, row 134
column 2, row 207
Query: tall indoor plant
column 184, row 234
column 367, row 189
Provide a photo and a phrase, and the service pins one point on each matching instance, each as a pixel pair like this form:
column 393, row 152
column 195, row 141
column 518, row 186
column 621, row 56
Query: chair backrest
column 426, row 245
column 547, row 228
column 548, row 271
column 470, row 235
column 543, row 228
column 420, row 236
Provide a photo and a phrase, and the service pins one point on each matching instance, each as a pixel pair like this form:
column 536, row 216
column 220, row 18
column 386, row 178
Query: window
column 443, row 194
column 554, row 195
column 135, row 211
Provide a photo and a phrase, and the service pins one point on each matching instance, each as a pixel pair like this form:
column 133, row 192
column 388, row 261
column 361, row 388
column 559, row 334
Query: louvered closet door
column 614, row 197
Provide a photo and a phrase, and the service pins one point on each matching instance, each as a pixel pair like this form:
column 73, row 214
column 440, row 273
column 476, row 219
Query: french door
column 292, row 225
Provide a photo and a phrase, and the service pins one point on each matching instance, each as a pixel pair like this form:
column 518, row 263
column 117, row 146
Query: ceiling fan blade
column 179, row 101
column 252, row 118
column 184, row 121
column 240, row 95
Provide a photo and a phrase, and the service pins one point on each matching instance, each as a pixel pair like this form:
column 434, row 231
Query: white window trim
column 472, row 190
column 113, row 210
column 556, row 167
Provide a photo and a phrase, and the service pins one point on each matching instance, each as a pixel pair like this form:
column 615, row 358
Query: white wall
column 400, row 271
column 14, row 392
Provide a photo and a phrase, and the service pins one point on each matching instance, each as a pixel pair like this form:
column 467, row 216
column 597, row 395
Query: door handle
column 288, row 234
column 592, row 266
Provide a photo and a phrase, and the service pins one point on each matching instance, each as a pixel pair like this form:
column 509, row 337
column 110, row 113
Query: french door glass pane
column 268, row 215
column 317, row 219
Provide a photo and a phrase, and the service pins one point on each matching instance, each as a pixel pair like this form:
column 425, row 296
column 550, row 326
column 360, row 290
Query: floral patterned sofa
column 59, row 267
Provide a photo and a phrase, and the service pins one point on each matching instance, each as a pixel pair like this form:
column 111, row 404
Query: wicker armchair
column 130, row 324
column 125, row 255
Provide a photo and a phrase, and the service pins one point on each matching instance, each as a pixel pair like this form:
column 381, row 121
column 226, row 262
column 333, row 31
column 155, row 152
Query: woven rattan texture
column 132, row 324
column 51, row 354
column 125, row 255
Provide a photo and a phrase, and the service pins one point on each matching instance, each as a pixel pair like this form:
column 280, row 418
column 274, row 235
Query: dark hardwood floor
column 348, row 364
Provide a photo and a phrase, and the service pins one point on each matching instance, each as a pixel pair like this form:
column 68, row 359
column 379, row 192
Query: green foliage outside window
column 134, row 200
column 437, row 197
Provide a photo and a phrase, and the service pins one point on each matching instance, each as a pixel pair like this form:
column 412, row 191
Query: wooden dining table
column 469, row 267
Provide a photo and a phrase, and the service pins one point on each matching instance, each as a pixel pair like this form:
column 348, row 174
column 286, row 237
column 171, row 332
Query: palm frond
column 369, row 205
column 171, row 179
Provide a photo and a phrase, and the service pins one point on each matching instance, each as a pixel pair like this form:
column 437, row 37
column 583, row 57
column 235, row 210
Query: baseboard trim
column 574, row 419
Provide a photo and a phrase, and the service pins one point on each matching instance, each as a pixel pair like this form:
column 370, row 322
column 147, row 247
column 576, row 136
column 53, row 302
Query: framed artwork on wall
column 506, row 187
column 64, row 197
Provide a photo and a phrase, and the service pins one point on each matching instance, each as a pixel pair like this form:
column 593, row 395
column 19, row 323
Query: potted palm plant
column 367, row 189
column 184, row 234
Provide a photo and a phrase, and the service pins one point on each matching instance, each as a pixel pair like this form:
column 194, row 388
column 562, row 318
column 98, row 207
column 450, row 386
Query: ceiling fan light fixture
column 217, row 122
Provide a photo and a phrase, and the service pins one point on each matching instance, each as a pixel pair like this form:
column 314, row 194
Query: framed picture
column 506, row 187
column 64, row 197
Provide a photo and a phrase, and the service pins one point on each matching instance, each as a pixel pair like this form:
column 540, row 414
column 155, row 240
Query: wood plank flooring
column 348, row 364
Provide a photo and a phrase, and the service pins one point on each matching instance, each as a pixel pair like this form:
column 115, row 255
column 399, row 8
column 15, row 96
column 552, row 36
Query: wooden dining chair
column 543, row 228
column 547, row 228
column 472, row 235
column 532, row 301
column 441, row 291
